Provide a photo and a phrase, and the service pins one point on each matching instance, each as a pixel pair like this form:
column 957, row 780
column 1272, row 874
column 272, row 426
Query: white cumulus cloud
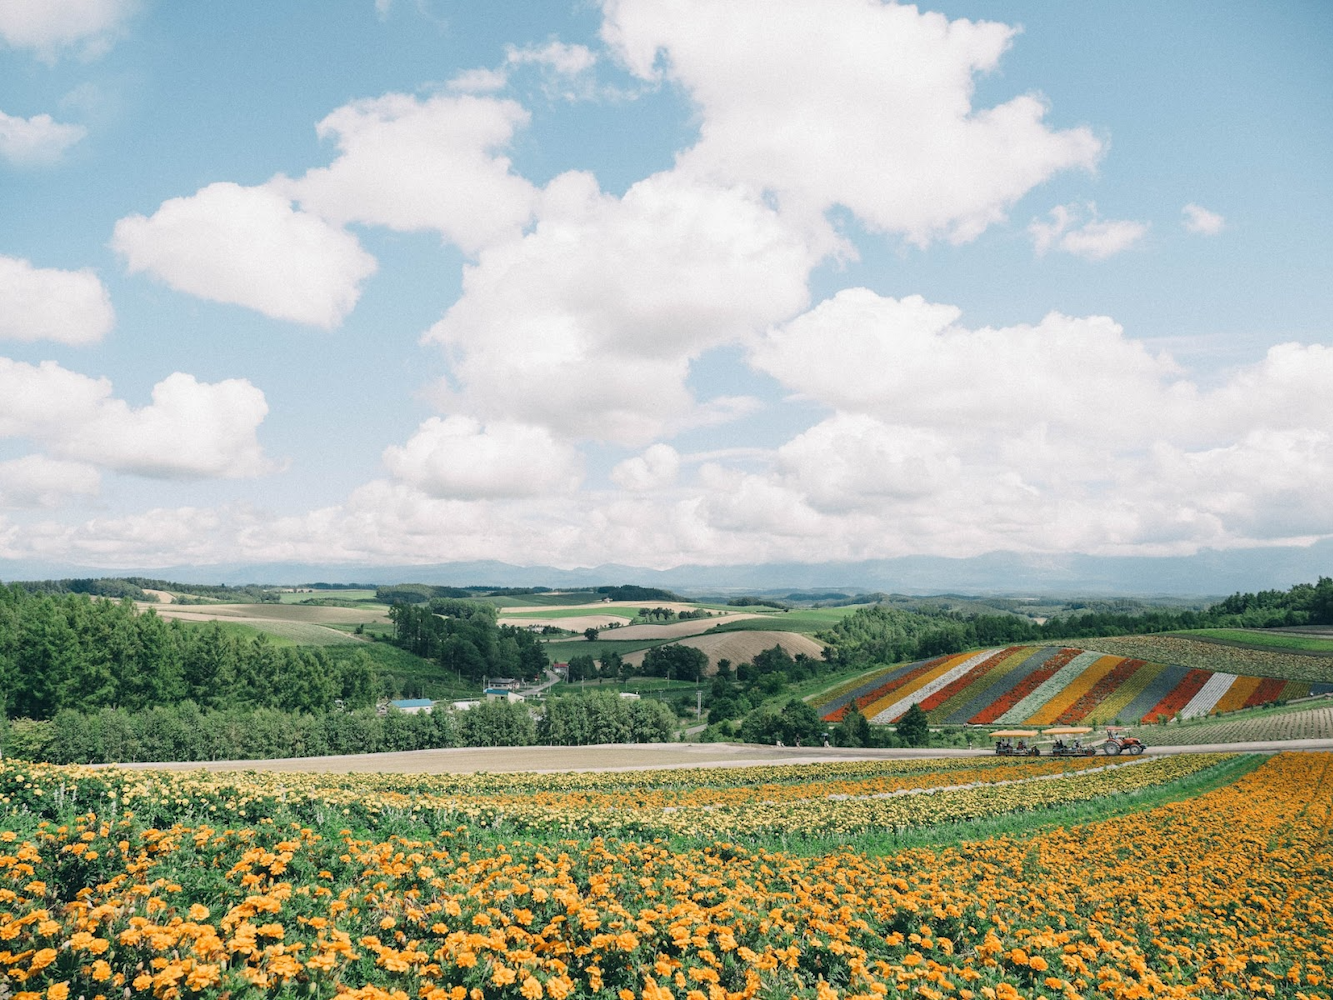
column 851, row 102
column 1093, row 239
column 36, row 140
column 459, row 458
column 190, row 429
column 38, row 481
column 249, row 247
column 421, row 165
column 48, row 26
column 39, row 303
column 655, row 469
column 588, row 324
column 1197, row 219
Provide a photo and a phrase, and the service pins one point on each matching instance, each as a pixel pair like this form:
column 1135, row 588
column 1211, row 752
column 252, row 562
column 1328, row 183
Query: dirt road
column 634, row 757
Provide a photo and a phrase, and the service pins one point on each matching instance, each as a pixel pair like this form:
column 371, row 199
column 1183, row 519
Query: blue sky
column 662, row 283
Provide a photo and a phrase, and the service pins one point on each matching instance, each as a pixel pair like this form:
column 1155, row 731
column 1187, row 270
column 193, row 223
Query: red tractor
column 1117, row 743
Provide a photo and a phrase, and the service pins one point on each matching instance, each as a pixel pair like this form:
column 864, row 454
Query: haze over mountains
column 1207, row 573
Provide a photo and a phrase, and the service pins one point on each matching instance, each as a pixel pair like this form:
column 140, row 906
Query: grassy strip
column 1020, row 824
column 1261, row 640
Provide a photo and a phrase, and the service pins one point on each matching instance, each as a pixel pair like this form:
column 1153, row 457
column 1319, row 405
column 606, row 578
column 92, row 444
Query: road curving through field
column 639, row 757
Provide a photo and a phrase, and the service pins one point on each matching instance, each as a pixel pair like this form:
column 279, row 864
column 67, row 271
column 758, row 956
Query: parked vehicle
column 1006, row 746
column 1118, row 743
column 1065, row 746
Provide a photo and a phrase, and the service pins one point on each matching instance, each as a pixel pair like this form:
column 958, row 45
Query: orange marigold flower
column 532, row 988
column 57, row 991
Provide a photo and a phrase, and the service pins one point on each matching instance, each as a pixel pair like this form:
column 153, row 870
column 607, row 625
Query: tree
column 684, row 663
column 914, row 727
column 590, row 634
column 853, row 730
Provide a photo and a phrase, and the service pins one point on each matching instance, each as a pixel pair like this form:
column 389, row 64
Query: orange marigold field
column 1227, row 894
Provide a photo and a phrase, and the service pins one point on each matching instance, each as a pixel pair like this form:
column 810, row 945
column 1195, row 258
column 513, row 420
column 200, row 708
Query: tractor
column 1117, row 743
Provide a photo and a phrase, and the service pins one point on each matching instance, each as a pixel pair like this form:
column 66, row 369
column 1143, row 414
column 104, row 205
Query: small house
column 413, row 706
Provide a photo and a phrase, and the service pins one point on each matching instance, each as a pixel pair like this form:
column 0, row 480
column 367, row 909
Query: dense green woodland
column 463, row 638
column 66, row 652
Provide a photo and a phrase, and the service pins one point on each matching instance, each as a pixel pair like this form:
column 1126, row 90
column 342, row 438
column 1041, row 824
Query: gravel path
column 637, row 757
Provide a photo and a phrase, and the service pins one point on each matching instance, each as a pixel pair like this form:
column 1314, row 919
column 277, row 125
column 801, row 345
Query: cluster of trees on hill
column 136, row 588
column 68, row 652
column 886, row 635
column 629, row 592
column 462, row 637
column 184, row 732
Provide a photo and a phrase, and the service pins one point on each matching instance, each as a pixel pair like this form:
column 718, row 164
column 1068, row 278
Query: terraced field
column 1035, row 685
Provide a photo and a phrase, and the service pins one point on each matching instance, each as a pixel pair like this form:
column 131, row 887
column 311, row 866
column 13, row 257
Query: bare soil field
column 738, row 647
column 575, row 624
column 162, row 596
column 312, row 614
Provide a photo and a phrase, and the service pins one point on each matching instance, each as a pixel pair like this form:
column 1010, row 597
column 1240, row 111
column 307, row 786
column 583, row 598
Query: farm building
column 503, row 684
column 412, row 706
column 495, row 694
column 463, row 706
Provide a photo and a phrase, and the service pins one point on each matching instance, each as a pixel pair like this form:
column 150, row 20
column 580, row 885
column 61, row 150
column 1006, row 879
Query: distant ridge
column 1208, row 573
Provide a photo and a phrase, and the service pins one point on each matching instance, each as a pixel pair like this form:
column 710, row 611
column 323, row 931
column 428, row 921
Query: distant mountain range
column 1208, row 573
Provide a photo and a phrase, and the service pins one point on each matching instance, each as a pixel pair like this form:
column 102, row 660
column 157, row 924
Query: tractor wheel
column 1111, row 749
column 1137, row 750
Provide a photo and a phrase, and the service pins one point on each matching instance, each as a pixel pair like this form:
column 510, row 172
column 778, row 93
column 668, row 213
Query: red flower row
column 1180, row 695
column 887, row 687
column 1025, row 687
column 971, row 677
column 1270, row 689
column 1100, row 691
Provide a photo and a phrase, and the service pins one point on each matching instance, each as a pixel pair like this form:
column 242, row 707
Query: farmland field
column 1181, row 649
column 1290, row 723
column 1256, row 638
column 859, row 880
column 302, row 596
column 1053, row 685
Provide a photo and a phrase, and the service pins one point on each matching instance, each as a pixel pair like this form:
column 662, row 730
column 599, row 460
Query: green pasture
column 561, row 649
column 568, row 599
column 807, row 621
column 336, row 598
column 1262, row 639
column 281, row 633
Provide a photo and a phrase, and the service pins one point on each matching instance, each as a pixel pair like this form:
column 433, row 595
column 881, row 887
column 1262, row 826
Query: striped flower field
column 1045, row 685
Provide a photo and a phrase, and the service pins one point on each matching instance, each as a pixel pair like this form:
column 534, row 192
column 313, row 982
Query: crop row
column 1310, row 724
column 165, row 798
column 1029, row 685
column 1228, row 894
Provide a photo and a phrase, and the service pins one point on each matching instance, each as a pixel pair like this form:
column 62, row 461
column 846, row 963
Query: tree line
column 67, row 652
column 186, row 732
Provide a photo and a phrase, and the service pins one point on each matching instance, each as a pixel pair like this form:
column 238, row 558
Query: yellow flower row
column 1230, row 893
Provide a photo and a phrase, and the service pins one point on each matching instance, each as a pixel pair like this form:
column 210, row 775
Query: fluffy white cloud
column 38, row 481
column 71, row 307
column 189, row 430
column 589, row 323
column 567, row 60
column 47, row 26
column 850, row 102
column 457, row 457
column 1093, row 239
column 655, row 469
column 249, row 247
column 908, row 362
column 36, row 140
column 416, row 165
column 842, row 462
column 1197, row 219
